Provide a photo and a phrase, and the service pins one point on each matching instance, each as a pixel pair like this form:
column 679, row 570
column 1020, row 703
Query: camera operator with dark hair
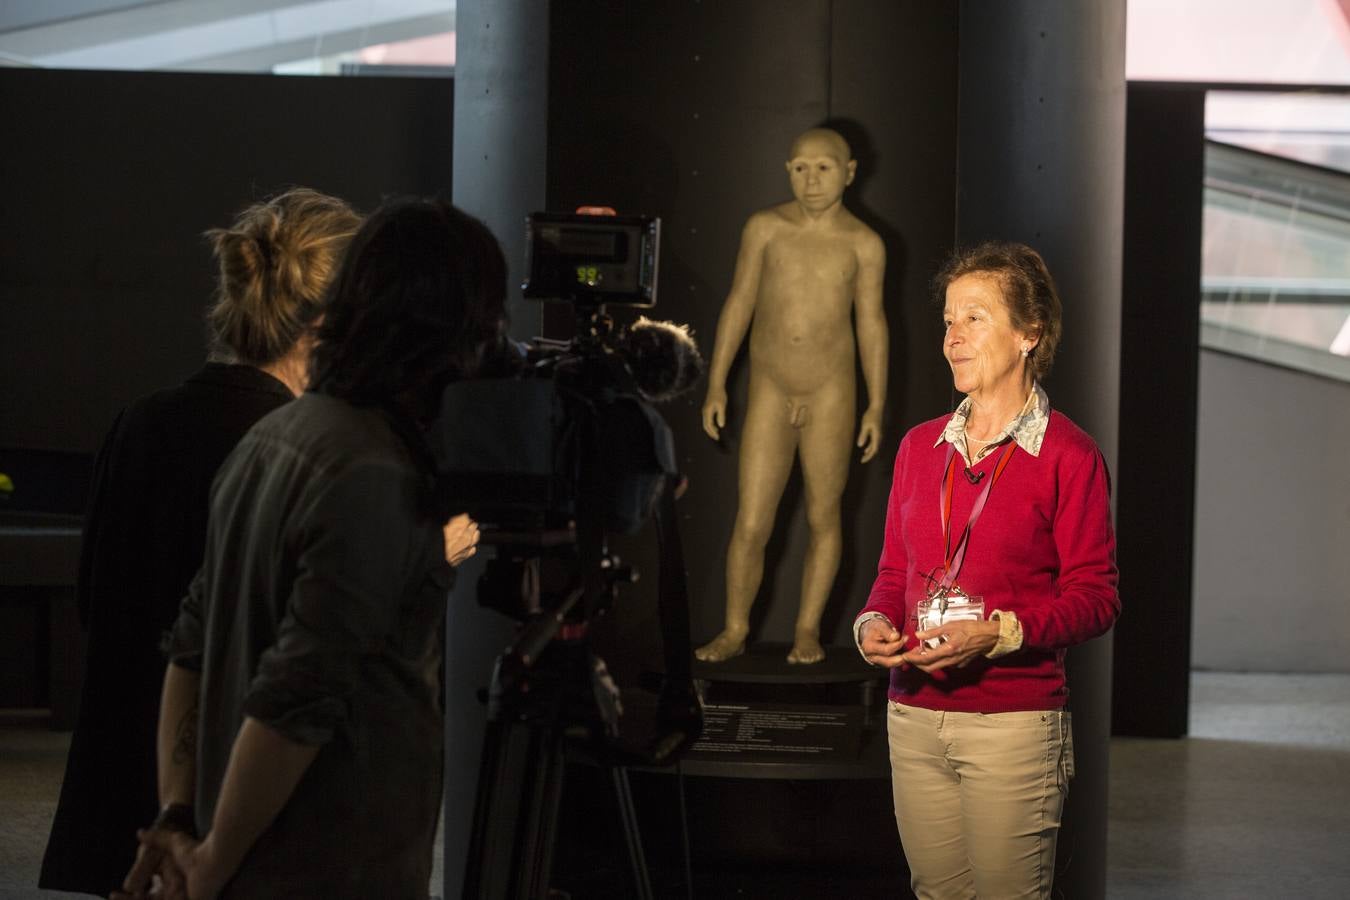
column 301, row 720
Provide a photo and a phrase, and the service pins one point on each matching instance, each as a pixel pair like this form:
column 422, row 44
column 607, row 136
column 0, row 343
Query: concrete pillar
column 500, row 125
column 1042, row 142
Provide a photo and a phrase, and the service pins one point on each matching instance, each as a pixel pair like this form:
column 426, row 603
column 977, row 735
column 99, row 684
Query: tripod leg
column 515, row 816
column 494, row 816
column 684, row 835
column 541, row 820
column 623, row 793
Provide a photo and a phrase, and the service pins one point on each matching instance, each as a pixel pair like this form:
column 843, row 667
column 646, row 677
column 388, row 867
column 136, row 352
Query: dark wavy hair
column 1028, row 290
column 420, row 295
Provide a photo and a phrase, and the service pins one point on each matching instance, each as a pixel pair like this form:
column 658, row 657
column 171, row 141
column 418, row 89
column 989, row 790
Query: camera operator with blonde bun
column 146, row 522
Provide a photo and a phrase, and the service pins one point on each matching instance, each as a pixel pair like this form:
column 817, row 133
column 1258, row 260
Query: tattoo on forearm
column 185, row 743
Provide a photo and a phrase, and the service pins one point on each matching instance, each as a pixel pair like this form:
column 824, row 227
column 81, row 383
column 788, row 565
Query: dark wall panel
column 108, row 180
column 893, row 72
column 1155, row 505
column 688, row 112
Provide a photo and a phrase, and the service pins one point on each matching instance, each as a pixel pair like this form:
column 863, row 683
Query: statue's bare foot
column 721, row 648
column 805, row 650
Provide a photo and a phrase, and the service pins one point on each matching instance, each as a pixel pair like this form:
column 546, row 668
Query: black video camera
column 566, row 449
column 592, row 259
column 569, row 432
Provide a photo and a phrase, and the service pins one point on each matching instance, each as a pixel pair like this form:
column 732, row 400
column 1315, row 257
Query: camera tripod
column 551, row 697
column 525, row 752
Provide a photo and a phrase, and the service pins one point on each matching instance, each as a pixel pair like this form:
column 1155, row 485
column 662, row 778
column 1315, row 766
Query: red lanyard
column 952, row 558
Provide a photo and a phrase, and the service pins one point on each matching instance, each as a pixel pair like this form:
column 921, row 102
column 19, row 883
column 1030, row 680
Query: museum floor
column 1256, row 803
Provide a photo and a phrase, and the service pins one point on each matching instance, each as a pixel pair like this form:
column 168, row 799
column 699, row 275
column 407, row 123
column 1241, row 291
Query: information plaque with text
column 779, row 733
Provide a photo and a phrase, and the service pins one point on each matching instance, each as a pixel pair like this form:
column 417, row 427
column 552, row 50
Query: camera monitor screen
column 592, row 259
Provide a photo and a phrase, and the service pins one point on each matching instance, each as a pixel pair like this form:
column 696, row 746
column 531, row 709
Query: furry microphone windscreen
column 663, row 358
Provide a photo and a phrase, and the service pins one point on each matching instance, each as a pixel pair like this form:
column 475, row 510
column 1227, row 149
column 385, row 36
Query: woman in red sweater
column 1005, row 501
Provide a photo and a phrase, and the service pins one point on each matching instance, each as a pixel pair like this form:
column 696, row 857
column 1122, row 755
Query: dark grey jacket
column 318, row 611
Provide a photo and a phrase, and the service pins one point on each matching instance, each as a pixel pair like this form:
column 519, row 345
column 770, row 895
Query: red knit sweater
column 1043, row 548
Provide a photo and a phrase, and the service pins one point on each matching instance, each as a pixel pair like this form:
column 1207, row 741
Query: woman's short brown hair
column 1028, row 290
column 275, row 263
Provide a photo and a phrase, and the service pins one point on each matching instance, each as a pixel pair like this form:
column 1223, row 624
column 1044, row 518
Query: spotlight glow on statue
column 807, row 270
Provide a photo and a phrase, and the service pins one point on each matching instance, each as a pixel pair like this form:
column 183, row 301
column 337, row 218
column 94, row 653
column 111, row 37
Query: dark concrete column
column 501, row 127
column 500, row 140
column 1042, row 131
column 1159, row 392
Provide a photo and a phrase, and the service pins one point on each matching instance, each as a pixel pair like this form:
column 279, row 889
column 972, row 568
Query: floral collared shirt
column 1027, row 428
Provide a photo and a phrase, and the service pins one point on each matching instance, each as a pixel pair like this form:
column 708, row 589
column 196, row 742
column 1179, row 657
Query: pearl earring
column 1026, row 351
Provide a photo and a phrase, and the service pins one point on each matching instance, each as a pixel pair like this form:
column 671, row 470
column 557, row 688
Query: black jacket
column 143, row 540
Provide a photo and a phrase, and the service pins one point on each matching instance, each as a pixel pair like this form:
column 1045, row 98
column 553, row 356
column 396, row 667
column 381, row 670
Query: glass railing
column 1276, row 260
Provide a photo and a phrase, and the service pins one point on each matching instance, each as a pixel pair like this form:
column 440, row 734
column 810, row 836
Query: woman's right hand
column 461, row 538
column 882, row 645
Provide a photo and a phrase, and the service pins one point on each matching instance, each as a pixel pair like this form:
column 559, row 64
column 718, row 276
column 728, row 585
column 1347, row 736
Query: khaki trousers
column 978, row 799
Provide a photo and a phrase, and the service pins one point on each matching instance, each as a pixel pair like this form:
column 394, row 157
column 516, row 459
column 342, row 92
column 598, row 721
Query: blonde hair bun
column 275, row 262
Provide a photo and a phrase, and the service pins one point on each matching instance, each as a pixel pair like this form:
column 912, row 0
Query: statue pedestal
column 767, row 718
column 791, row 776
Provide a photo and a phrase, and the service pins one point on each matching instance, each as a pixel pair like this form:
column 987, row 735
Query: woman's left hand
column 962, row 641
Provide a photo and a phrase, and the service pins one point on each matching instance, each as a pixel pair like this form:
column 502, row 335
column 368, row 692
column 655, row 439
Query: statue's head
column 820, row 165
